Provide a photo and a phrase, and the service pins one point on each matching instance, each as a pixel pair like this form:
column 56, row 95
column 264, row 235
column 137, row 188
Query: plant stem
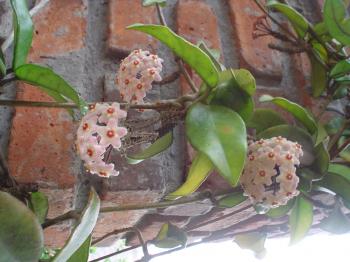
column 72, row 214
column 340, row 149
column 335, row 138
column 10, row 79
column 115, row 253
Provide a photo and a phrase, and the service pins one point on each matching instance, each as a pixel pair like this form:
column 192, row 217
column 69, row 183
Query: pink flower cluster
column 136, row 74
column 98, row 131
column 269, row 176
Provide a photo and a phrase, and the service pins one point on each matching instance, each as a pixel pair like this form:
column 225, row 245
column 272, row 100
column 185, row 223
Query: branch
column 72, row 214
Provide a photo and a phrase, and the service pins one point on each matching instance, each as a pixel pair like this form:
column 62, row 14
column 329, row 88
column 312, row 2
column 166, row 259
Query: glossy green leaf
column 23, row 32
column 334, row 125
column 340, row 69
column 219, row 133
column 170, row 236
column 263, row 119
column 341, row 92
column 158, row 146
column 39, row 204
column 341, row 170
column 153, row 2
column 213, row 54
column 253, row 241
column 318, row 77
column 232, row 200
column 300, row 219
column 321, row 29
column 21, row 236
column 48, row 80
column 244, row 80
column 321, row 134
column 190, row 53
column 293, row 134
column 82, row 254
column 337, row 222
column 306, row 177
column 322, row 159
column 83, row 229
column 281, row 210
column 2, row 64
column 337, row 184
column 229, row 94
column 200, row 169
column 334, row 14
column 300, row 113
column 299, row 22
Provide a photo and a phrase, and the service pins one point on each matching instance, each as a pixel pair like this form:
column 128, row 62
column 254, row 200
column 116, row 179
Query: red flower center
column 262, row 173
column 136, row 62
column 110, row 133
column 289, row 176
column 289, row 157
column 85, row 126
column 103, row 173
column 110, row 110
column 139, row 86
column 90, row 152
column 271, row 155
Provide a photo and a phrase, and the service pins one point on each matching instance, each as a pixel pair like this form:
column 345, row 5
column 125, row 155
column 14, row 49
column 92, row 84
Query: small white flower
column 269, row 176
column 98, row 130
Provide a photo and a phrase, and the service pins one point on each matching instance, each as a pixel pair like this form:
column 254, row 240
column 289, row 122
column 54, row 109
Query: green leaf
column 82, row 254
column 153, row 2
column 200, row 169
column 300, row 219
column 213, row 54
column 322, row 159
column 48, row 80
column 219, row 133
column 253, row 241
column 2, row 64
column 281, row 210
column 263, row 119
column 296, row 110
column 83, row 229
column 21, row 236
column 244, row 80
column 158, row 146
column 23, row 32
column 39, row 204
column 318, row 77
column 341, row 170
column 293, row 134
column 170, row 236
column 228, row 93
column 337, row 222
column 335, row 183
column 232, row 200
column 298, row 21
column 190, row 53
column 334, row 13
column 321, row 133
column 334, row 125
column 341, row 92
column 340, row 69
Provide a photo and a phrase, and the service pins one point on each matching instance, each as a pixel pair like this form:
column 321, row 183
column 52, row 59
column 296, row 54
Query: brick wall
column 84, row 41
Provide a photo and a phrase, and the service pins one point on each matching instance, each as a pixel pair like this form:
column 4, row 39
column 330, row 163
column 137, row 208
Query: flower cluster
column 269, row 177
column 136, row 74
column 98, row 131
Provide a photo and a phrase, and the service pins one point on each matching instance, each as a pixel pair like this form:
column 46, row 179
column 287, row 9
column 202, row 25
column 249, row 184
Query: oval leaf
column 39, row 203
column 48, row 80
column 337, row 222
column 318, row 77
column 190, row 53
column 281, row 210
column 21, row 236
column 340, row 69
column 213, row 54
column 82, row 254
column 263, row 119
column 23, row 32
column 199, row 171
column 253, row 241
column 244, row 80
column 296, row 110
column 337, row 184
column 342, row 170
column 232, row 200
column 229, row 94
column 299, row 22
column 219, row 133
column 158, row 146
column 300, row 219
column 83, row 230
column 334, row 16
column 170, row 236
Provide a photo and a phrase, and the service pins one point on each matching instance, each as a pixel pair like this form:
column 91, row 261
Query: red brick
column 108, row 222
column 59, row 28
column 196, row 22
column 254, row 54
column 123, row 13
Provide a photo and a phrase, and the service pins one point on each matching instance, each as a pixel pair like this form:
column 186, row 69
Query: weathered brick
column 108, row 222
column 123, row 13
column 59, row 28
column 254, row 54
column 196, row 22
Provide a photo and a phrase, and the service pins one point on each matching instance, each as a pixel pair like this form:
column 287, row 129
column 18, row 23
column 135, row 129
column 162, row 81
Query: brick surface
column 123, row 13
column 254, row 54
column 59, row 28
